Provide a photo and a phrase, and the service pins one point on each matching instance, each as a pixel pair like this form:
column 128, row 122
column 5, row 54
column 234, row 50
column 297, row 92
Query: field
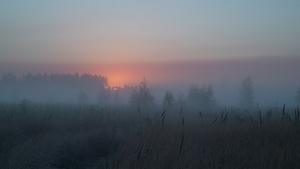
column 93, row 136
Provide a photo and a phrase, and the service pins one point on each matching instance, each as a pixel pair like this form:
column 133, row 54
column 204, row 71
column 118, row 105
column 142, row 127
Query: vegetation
column 202, row 97
column 58, row 87
column 92, row 136
column 247, row 93
column 168, row 100
column 143, row 96
column 186, row 132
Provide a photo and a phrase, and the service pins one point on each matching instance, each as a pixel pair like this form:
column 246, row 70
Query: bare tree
column 247, row 93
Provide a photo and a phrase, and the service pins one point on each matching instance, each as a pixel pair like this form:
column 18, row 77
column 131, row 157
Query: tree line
column 197, row 96
column 55, row 79
column 59, row 87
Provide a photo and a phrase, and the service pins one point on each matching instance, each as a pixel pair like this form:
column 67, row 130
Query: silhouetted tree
column 208, row 96
column 88, row 79
column 9, row 78
column 143, row 96
column 203, row 97
column 169, row 100
column 57, row 85
column 247, row 93
column 28, row 79
column 45, row 79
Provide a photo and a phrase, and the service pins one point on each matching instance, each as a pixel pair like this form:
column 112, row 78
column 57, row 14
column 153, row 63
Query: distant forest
column 55, row 88
column 55, row 80
column 87, row 88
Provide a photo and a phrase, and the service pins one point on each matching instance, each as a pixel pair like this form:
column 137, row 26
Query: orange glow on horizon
column 118, row 79
column 119, row 75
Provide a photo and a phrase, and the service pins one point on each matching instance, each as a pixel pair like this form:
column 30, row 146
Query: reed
column 62, row 136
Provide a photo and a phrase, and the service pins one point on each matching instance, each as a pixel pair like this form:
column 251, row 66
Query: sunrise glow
column 119, row 79
column 149, row 84
column 172, row 44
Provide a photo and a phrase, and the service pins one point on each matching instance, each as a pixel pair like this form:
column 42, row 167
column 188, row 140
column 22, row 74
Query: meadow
column 51, row 136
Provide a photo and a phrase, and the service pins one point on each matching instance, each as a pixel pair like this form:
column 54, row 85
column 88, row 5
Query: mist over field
column 149, row 84
column 80, row 121
column 275, row 81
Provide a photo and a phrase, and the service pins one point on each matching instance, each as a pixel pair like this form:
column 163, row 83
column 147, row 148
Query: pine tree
column 143, row 96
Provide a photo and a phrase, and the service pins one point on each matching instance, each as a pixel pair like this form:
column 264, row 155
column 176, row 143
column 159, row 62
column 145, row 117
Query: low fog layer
column 95, row 89
column 275, row 81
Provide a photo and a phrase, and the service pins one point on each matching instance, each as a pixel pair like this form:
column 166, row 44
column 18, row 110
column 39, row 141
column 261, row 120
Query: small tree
column 169, row 100
column 143, row 97
column 203, row 97
column 208, row 98
column 247, row 93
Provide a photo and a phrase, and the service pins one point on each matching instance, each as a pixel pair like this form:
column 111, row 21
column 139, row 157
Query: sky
column 167, row 41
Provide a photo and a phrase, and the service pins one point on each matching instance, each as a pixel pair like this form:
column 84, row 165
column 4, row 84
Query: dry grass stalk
column 180, row 147
column 289, row 117
column 224, row 119
column 181, row 110
column 283, row 110
column 231, row 146
column 163, row 115
column 140, row 152
column 200, row 113
column 215, row 119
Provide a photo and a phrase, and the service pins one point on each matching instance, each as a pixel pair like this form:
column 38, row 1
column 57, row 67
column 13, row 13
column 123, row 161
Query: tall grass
column 91, row 136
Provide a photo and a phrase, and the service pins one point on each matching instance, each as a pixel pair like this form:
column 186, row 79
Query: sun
column 116, row 80
column 120, row 74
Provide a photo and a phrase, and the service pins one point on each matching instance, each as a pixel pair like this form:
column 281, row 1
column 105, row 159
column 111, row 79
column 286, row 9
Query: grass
column 91, row 136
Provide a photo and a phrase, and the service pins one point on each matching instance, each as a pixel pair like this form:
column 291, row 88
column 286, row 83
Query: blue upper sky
column 59, row 31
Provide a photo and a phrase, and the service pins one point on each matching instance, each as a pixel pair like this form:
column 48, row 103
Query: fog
column 275, row 82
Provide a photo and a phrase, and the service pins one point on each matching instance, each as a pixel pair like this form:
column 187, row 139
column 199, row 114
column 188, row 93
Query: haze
column 173, row 44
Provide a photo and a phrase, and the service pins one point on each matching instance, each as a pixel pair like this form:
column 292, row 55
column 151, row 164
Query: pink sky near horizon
column 171, row 43
column 276, row 79
column 263, row 69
